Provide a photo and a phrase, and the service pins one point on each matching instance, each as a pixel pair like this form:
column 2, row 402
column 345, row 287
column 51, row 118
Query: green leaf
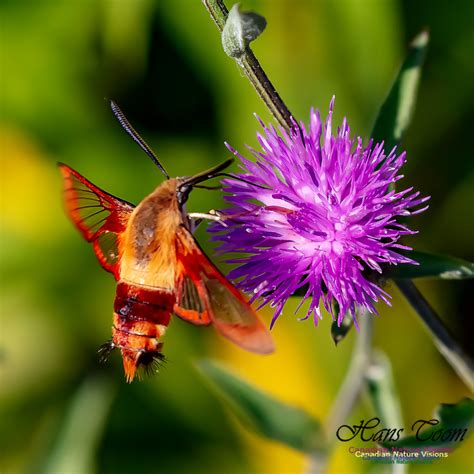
column 77, row 442
column 395, row 113
column 382, row 392
column 263, row 413
column 433, row 265
column 451, row 425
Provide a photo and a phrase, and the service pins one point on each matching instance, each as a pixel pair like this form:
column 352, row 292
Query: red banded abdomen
column 141, row 316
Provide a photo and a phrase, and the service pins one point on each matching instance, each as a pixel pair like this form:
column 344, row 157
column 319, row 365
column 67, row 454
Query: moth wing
column 190, row 299
column 100, row 217
column 225, row 306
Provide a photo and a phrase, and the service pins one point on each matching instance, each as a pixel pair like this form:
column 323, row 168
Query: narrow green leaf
column 384, row 398
column 382, row 392
column 433, row 265
column 395, row 114
column 263, row 413
column 450, row 426
column 78, row 439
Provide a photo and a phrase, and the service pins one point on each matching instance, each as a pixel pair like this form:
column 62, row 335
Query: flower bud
column 240, row 29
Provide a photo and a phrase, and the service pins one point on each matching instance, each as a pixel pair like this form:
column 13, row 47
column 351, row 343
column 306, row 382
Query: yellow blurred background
column 161, row 61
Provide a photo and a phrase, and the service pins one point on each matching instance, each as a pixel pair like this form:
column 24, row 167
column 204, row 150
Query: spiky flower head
column 316, row 212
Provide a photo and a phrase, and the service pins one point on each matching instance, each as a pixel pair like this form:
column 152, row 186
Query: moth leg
column 194, row 223
column 212, row 215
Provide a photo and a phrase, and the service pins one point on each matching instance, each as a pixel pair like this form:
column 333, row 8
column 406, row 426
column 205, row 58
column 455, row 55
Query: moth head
column 185, row 185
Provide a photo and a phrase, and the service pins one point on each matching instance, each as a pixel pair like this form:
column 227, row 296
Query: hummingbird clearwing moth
column 159, row 267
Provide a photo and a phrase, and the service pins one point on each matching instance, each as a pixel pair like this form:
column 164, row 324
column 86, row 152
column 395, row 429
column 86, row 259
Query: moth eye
column 182, row 194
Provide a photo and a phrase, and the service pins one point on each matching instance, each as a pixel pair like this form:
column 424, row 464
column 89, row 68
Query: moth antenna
column 126, row 125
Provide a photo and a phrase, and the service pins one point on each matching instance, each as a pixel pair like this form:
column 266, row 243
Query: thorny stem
column 252, row 69
column 449, row 348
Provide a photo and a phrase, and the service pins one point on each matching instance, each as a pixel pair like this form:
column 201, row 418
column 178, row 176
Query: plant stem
column 354, row 380
column 384, row 398
column 251, row 68
column 447, row 345
column 349, row 391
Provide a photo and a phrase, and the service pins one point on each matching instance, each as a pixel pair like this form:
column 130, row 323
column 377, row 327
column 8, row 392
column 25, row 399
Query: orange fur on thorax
column 148, row 245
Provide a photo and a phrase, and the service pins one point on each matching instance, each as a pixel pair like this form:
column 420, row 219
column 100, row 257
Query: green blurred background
column 63, row 412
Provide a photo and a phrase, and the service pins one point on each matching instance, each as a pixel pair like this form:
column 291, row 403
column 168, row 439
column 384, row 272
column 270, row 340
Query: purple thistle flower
column 316, row 215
